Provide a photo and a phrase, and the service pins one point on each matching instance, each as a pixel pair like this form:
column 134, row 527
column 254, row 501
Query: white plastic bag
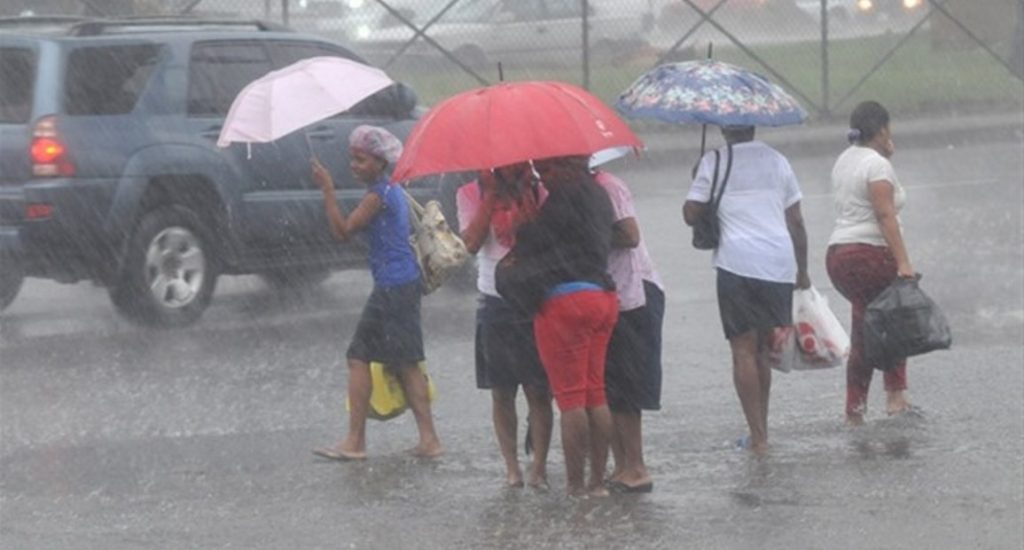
column 821, row 338
column 816, row 340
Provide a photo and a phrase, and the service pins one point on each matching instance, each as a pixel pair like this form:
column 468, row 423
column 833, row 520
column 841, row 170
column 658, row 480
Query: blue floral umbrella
column 709, row 92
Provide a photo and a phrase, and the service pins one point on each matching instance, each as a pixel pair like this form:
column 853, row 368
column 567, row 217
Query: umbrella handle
column 312, row 152
column 703, row 142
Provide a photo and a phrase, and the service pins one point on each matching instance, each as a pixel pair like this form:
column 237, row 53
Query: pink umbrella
column 298, row 95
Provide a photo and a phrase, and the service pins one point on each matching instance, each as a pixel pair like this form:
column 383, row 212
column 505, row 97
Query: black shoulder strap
column 715, row 201
column 714, row 178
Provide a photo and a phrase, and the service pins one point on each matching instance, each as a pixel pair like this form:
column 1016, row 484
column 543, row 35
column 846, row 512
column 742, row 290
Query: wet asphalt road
column 117, row 437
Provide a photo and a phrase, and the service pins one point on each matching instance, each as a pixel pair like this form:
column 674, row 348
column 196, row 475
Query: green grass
column 916, row 80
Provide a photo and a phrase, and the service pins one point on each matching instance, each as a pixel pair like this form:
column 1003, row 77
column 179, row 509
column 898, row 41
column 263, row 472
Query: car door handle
column 213, row 132
column 321, row 133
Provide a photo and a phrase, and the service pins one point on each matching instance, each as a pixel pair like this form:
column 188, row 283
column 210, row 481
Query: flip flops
column 332, row 454
column 743, row 443
column 619, row 487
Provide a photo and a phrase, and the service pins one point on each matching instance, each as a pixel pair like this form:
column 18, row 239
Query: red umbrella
column 508, row 123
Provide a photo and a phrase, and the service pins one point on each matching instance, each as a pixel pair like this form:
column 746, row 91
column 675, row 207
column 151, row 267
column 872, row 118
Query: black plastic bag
column 902, row 322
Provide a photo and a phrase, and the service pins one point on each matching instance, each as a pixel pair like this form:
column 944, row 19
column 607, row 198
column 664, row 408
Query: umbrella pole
column 703, row 127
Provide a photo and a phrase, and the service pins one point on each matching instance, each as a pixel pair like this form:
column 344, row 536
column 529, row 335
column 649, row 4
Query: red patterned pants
column 860, row 272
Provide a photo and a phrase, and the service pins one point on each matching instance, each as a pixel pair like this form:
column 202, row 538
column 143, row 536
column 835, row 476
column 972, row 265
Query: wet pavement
column 118, row 437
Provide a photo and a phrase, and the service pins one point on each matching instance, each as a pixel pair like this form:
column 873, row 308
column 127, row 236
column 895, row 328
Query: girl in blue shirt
column 389, row 330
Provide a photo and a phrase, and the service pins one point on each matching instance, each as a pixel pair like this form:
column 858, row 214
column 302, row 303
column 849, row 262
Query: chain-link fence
column 917, row 56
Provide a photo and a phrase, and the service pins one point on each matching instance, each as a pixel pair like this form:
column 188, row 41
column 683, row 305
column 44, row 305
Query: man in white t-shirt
column 761, row 256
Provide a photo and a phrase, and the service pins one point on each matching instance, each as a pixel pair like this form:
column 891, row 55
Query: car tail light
column 49, row 155
column 38, row 211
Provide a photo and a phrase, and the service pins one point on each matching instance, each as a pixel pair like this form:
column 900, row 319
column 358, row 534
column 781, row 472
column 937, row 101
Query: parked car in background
column 846, row 11
column 109, row 170
column 515, row 32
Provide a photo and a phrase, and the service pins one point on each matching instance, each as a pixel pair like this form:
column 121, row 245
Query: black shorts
column 506, row 353
column 389, row 329
column 632, row 373
column 747, row 304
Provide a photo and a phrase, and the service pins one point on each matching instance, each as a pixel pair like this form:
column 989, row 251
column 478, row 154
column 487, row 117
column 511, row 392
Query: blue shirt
column 392, row 260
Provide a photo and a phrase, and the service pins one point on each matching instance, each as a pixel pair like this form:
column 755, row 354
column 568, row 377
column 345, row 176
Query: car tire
column 169, row 272
column 297, row 278
column 11, row 277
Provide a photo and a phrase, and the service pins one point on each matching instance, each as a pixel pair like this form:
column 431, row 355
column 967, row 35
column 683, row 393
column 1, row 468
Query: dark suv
column 109, row 169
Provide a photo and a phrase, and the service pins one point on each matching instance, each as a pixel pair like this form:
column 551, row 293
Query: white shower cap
column 376, row 141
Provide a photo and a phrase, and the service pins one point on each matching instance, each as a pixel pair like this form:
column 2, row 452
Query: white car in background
column 846, row 11
column 514, row 32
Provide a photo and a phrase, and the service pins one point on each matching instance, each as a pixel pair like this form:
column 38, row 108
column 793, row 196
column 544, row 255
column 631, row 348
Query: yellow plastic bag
column 387, row 400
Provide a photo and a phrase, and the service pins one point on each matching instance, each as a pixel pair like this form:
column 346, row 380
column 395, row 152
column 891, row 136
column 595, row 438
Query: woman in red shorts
column 574, row 321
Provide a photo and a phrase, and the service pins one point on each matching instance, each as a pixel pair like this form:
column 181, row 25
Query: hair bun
column 853, row 135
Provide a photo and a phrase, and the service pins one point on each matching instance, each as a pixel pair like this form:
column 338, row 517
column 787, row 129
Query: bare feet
column 746, row 443
column 422, row 450
column 854, row 420
column 896, row 402
column 514, row 480
column 538, row 478
column 633, row 477
column 599, row 491
column 539, row 484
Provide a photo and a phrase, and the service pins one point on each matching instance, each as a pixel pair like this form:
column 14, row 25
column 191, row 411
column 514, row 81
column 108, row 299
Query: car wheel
column 168, row 275
column 11, row 278
column 285, row 279
column 471, row 56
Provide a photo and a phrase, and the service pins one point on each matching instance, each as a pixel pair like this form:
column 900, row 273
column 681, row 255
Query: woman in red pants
column 866, row 252
column 574, row 318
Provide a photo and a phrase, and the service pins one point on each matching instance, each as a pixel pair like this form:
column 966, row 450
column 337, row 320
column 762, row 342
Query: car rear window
column 18, row 67
column 108, row 80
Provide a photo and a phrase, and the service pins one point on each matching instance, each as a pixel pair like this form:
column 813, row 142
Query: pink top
column 500, row 235
column 629, row 267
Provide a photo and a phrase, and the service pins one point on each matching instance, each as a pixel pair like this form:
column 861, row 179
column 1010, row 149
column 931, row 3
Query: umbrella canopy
column 709, row 92
column 300, row 94
column 508, row 123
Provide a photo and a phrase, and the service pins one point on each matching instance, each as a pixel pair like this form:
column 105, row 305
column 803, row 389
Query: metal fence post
column 825, row 109
column 284, row 12
column 586, row 43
